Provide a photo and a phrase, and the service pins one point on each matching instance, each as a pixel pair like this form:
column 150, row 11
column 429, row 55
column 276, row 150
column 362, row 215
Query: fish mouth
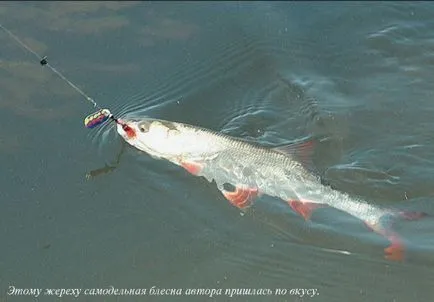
column 132, row 130
column 126, row 129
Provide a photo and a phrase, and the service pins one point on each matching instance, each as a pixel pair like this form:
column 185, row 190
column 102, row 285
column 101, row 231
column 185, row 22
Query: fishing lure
column 97, row 118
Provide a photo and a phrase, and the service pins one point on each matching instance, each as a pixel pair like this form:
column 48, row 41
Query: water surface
column 360, row 74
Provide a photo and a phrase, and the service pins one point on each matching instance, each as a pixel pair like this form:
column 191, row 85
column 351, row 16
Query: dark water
column 360, row 74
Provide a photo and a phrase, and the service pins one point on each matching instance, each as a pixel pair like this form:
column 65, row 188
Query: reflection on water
column 356, row 75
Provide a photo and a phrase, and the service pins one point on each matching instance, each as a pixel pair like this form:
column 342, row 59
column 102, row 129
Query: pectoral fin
column 193, row 167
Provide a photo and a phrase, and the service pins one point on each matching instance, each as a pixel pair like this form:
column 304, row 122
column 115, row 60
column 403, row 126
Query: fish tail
column 384, row 227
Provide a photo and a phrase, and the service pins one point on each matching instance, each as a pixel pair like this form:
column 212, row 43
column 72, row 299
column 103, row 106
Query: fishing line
column 91, row 120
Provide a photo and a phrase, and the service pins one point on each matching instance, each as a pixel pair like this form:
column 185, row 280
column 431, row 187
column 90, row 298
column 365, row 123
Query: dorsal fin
column 301, row 151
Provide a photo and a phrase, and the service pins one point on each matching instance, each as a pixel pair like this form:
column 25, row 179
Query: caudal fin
column 396, row 250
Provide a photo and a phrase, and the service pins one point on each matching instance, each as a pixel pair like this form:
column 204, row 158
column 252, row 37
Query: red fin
column 242, row 197
column 305, row 208
column 396, row 250
column 192, row 167
column 302, row 151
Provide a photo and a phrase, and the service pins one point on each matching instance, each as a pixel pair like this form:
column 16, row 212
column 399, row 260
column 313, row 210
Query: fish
column 244, row 171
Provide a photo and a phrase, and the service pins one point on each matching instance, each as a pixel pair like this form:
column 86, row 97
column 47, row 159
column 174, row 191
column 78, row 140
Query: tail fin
column 396, row 250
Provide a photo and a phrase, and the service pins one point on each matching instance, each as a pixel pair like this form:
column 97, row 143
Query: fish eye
column 143, row 127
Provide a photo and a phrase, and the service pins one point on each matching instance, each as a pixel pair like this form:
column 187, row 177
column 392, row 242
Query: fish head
column 158, row 138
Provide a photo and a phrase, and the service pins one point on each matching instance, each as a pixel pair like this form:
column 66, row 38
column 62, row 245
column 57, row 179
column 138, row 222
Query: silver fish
column 252, row 170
